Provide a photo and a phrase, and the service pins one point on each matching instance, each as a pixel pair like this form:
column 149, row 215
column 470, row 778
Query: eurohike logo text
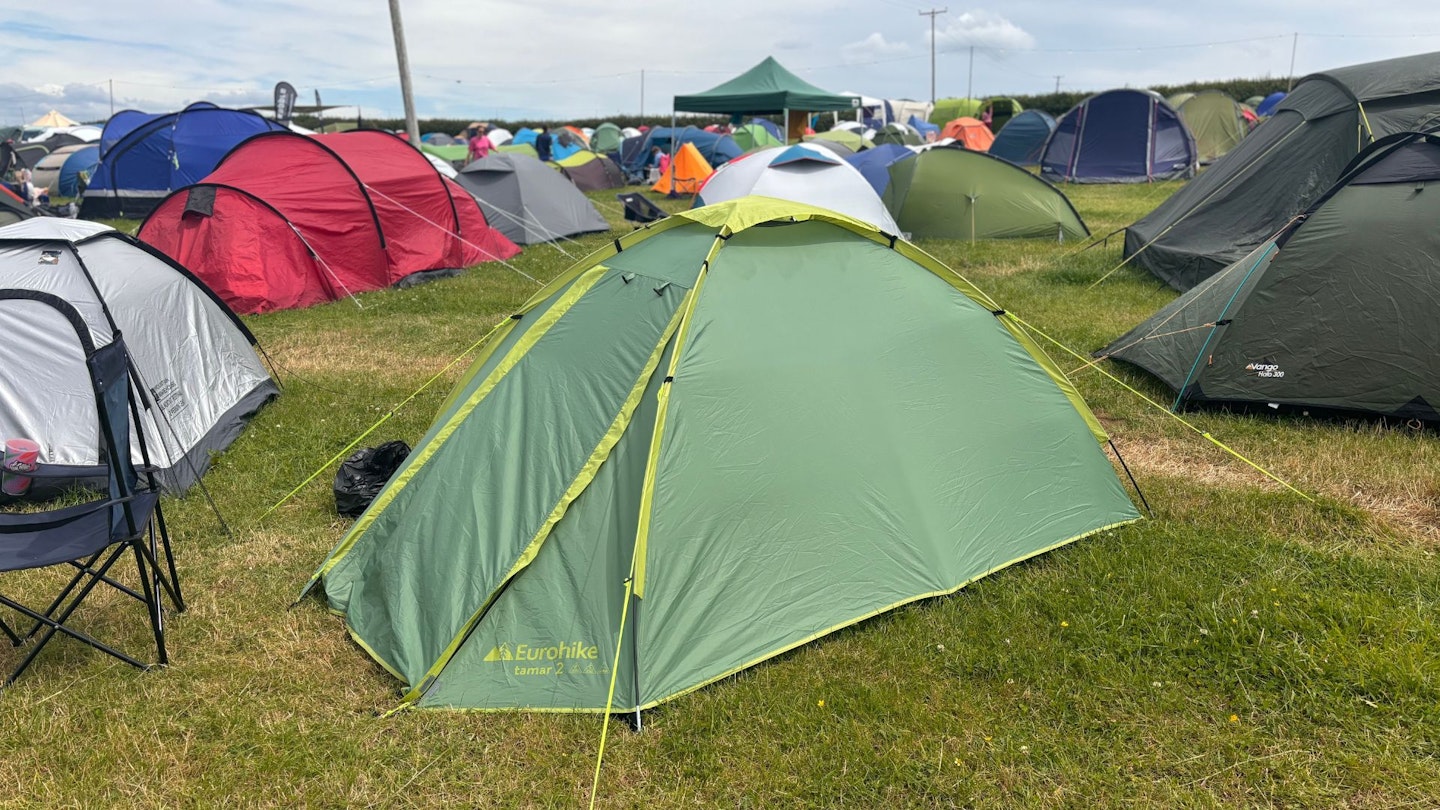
column 548, row 660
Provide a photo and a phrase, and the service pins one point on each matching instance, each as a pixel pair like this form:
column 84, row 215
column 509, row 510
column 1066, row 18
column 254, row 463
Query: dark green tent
column 896, row 133
column 1280, row 169
column 1338, row 313
column 948, row 192
column 766, row 88
column 1001, row 111
column 715, row 440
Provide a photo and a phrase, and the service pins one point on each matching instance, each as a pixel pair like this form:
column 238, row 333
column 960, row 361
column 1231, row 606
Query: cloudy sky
column 555, row 59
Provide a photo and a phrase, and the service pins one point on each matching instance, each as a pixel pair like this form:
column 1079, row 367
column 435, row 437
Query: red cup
column 21, row 456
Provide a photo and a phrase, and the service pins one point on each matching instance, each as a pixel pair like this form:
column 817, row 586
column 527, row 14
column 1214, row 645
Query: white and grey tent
column 528, row 201
column 806, row 172
column 193, row 358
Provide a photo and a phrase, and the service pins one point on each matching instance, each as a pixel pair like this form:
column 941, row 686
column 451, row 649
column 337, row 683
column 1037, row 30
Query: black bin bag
column 362, row 476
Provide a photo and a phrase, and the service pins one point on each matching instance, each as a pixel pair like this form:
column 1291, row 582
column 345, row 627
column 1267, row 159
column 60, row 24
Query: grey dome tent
column 1283, row 166
column 201, row 376
column 47, row 171
column 1336, row 313
column 528, row 201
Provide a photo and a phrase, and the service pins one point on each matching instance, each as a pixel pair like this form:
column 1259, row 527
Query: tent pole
column 635, row 655
column 672, row 194
column 786, row 126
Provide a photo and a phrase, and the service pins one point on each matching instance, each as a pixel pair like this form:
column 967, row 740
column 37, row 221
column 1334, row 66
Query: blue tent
column 1023, row 137
column 874, row 164
column 923, row 127
column 634, row 156
column 81, row 162
column 558, row 149
column 714, row 147
column 1119, row 136
column 144, row 157
column 1270, row 103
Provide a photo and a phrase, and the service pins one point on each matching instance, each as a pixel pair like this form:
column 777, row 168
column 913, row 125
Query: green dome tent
column 896, row 133
column 606, row 138
column 715, row 440
column 948, row 109
column 852, row 141
column 1337, row 313
column 754, row 136
column 956, row 193
column 1001, row 109
column 1179, row 98
column 1215, row 120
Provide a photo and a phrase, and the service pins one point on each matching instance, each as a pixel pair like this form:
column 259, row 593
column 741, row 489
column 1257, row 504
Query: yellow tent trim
column 577, row 291
column 582, row 480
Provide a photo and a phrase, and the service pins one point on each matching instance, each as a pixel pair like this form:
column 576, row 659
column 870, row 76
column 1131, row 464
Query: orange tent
column 971, row 134
column 688, row 170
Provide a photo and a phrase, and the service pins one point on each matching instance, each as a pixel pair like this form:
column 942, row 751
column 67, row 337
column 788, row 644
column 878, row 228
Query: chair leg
column 151, row 586
column 173, row 583
column 14, row 639
column 86, row 567
column 57, row 623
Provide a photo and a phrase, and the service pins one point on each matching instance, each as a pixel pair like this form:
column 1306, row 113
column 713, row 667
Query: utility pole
column 412, row 127
column 1294, row 43
column 1057, row 83
column 932, row 14
column 112, row 98
column 970, row 81
column 642, row 95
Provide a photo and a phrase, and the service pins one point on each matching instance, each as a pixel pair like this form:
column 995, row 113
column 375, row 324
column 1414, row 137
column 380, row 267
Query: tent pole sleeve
column 647, row 491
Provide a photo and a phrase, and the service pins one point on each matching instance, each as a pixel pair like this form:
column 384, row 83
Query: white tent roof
column 52, row 228
column 804, row 173
column 442, row 166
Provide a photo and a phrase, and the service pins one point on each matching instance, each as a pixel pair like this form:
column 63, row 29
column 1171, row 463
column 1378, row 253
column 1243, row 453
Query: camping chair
column 639, row 209
column 93, row 537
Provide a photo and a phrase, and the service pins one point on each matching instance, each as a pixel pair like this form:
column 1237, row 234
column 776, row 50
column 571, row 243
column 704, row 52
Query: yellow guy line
column 373, row 427
column 610, row 699
column 1223, row 446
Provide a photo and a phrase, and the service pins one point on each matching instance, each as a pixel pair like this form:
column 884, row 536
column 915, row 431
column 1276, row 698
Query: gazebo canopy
column 766, row 88
column 54, row 119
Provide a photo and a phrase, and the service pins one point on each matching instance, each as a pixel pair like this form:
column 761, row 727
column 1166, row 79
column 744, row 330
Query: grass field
column 1242, row 647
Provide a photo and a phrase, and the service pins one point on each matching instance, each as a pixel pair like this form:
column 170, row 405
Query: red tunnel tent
column 290, row 220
